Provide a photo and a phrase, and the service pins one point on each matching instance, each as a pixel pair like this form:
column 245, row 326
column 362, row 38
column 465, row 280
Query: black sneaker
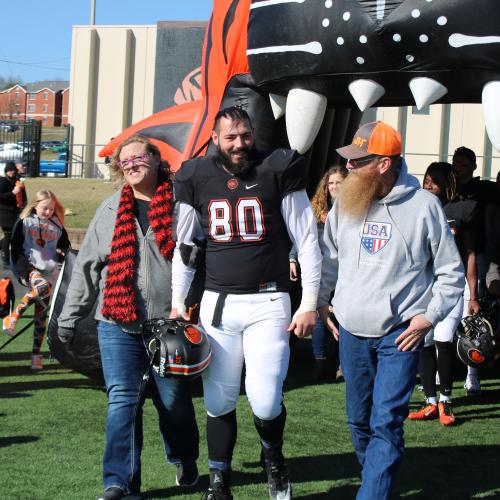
column 186, row 475
column 115, row 493
column 278, row 482
column 219, row 486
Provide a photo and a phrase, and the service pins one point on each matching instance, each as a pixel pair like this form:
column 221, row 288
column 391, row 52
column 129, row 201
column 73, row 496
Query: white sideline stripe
column 311, row 47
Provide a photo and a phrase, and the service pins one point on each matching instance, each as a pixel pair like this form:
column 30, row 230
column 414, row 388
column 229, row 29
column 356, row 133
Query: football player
column 246, row 205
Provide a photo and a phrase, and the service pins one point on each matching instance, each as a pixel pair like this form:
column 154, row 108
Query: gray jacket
column 153, row 273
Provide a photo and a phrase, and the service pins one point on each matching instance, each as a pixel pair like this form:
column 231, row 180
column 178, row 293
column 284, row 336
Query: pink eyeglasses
column 131, row 161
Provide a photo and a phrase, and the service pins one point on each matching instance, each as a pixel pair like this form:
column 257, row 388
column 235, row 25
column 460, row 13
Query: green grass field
column 52, row 437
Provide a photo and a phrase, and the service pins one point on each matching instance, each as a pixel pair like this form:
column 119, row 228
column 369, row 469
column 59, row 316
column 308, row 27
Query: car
column 8, row 127
column 12, row 152
column 26, row 144
column 11, row 145
column 61, row 147
column 54, row 167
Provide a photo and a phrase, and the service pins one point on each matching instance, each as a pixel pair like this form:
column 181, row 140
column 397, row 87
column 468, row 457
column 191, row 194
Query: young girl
column 39, row 243
column 440, row 179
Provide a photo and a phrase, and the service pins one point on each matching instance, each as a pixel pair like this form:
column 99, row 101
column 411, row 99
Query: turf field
column 52, row 436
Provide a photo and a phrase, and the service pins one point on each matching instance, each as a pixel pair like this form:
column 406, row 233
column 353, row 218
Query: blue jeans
column 319, row 339
column 124, row 362
column 379, row 382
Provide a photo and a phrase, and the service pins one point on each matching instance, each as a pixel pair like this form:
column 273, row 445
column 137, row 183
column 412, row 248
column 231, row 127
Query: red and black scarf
column 120, row 297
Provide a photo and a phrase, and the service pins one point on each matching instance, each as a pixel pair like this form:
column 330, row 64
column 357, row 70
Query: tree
column 9, row 81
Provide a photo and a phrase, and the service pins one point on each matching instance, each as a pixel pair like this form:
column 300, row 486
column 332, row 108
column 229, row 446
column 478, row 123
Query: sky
column 36, row 35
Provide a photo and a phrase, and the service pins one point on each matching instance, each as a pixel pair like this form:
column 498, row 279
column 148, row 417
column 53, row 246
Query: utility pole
column 92, row 12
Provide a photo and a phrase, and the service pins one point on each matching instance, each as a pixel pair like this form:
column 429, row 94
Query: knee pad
column 271, row 431
column 221, row 437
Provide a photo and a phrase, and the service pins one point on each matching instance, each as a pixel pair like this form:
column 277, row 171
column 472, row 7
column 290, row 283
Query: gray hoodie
column 400, row 261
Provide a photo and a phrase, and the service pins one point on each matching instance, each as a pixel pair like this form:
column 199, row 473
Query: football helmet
column 177, row 348
column 476, row 343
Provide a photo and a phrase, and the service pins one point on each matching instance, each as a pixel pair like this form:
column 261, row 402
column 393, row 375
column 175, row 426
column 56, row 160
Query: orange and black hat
column 374, row 138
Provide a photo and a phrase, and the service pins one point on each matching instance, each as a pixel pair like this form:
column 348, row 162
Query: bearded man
column 396, row 271
column 246, row 204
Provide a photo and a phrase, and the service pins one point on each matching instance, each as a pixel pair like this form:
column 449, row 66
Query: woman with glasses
column 125, row 262
column 39, row 243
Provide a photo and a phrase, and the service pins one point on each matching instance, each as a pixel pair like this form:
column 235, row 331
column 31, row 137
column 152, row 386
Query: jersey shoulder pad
column 188, row 178
column 189, row 168
column 290, row 167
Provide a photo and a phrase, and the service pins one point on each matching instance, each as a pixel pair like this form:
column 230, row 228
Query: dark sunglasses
column 362, row 161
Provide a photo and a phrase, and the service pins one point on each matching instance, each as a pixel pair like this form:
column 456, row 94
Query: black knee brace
column 271, row 431
column 221, row 436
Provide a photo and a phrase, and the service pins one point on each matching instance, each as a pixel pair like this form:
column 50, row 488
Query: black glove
column 65, row 335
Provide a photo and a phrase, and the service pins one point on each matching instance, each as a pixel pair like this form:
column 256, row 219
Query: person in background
column 39, row 243
column 125, row 263
column 11, row 190
column 486, row 195
column 322, row 202
column 438, row 354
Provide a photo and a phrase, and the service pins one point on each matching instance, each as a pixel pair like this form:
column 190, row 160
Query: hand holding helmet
column 177, row 348
column 476, row 342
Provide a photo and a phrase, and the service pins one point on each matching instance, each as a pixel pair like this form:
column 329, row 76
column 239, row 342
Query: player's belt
column 219, row 306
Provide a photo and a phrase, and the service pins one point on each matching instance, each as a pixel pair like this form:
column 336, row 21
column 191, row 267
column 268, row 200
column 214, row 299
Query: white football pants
column 444, row 330
column 253, row 330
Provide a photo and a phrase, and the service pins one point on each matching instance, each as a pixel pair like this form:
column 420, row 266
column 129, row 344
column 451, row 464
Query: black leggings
column 5, row 243
column 438, row 358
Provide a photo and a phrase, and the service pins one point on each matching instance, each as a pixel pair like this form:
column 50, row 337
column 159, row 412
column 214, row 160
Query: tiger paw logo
column 193, row 334
column 190, row 89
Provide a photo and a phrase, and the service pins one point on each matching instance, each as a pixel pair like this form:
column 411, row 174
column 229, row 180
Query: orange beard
column 358, row 192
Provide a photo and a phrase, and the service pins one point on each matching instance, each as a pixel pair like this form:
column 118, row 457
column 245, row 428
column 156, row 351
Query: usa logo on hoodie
column 375, row 235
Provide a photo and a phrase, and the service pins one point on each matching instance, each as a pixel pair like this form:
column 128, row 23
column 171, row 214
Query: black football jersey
column 247, row 240
column 464, row 219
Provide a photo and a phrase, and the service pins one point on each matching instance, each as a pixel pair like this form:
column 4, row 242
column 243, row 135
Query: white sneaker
column 36, row 362
column 472, row 385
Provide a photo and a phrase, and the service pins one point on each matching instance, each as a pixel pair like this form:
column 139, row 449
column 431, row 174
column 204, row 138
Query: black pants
column 5, row 244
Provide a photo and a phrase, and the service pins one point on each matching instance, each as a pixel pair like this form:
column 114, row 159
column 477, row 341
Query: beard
column 358, row 192
column 245, row 164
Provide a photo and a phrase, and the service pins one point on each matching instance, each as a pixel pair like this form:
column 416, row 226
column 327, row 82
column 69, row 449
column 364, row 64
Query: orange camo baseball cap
column 374, row 138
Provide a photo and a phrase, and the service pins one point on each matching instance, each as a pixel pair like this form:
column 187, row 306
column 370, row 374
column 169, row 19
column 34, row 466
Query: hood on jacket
column 405, row 184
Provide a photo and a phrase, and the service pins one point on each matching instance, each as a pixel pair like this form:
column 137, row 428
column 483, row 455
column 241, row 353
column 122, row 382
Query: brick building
column 46, row 101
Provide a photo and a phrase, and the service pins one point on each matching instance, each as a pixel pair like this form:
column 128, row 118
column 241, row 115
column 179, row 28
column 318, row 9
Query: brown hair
column 44, row 194
column 321, row 202
column 151, row 148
